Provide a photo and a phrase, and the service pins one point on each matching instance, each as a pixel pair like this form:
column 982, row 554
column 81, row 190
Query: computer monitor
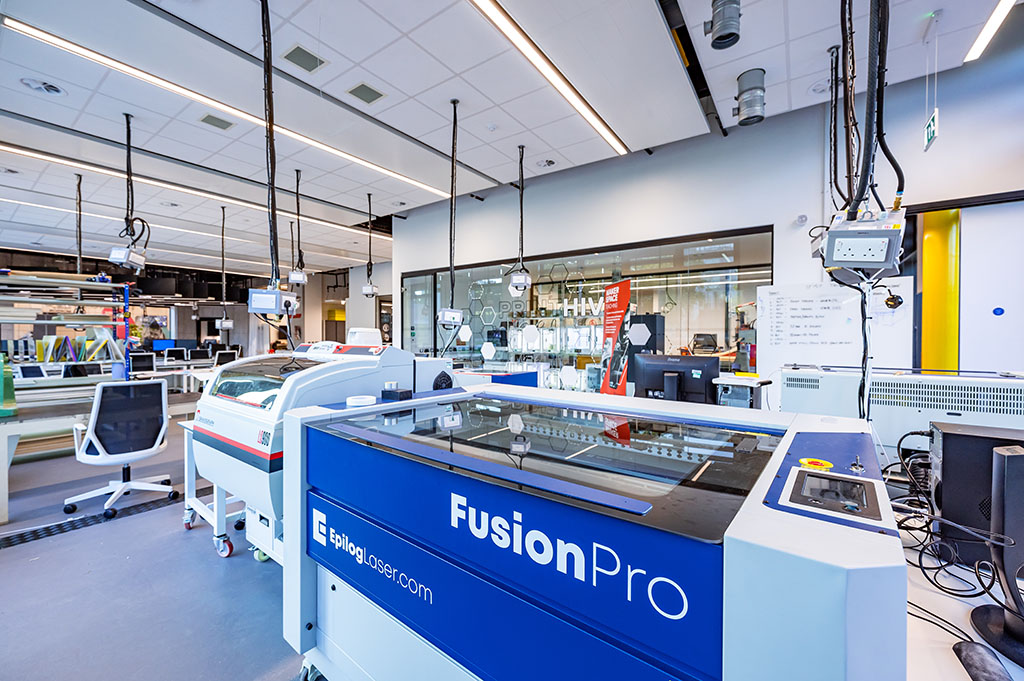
column 31, row 371
column 161, row 344
column 199, row 354
column 237, row 349
column 217, row 347
column 187, row 343
column 704, row 342
column 224, row 356
column 73, row 371
column 142, row 361
column 92, row 369
column 174, row 355
column 675, row 377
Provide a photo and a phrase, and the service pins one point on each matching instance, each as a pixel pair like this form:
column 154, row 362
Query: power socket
column 860, row 250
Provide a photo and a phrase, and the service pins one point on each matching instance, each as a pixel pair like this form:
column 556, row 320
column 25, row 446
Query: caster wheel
column 224, row 548
column 70, row 508
column 166, row 482
column 189, row 519
column 239, row 525
column 173, row 494
column 109, row 513
column 260, row 556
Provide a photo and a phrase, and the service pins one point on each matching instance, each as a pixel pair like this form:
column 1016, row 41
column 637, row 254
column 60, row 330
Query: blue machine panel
column 653, row 595
column 487, row 629
column 842, row 451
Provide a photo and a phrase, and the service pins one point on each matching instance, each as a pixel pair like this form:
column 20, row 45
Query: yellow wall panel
column 940, row 289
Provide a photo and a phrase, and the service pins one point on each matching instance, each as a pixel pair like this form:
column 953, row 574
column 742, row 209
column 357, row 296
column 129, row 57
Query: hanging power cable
column 449, row 318
column 135, row 228
column 369, row 290
column 870, row 113
column 291, row 240
column 78, row 222
column 300, row 264
column 833, row 120
column 520, row 275
column 883, row 48
column 268, row 106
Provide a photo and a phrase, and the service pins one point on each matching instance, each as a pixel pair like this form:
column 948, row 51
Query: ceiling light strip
column 153, row 224
column 988, row 31
column 81, row 165
column 73, row 48
column 504, row 22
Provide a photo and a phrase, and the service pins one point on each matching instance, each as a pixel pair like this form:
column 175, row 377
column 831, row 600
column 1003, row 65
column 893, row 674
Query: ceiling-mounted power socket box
column 861, row 250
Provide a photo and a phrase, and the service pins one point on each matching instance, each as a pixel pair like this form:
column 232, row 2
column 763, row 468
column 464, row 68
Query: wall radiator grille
column 954, row 397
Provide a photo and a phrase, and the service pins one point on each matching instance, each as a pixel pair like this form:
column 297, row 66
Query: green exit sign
column 931, row 129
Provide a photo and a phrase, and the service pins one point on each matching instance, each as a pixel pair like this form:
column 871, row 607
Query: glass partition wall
column 699, row 285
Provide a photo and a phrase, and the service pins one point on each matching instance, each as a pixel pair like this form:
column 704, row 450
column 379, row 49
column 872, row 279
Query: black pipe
column 883, row 48
column 268, row 104
column 870, row 112
column 833, row 120
column 300, row 264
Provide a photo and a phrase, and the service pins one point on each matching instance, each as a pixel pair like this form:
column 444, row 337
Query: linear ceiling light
column 121, row 219
column 56, row 41
column 173, row 229
column 989, row 29
column 501, row 19
column 82, row 165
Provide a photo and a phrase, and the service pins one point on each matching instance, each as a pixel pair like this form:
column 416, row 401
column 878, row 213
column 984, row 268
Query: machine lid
column 690, row 477
column 258, row 382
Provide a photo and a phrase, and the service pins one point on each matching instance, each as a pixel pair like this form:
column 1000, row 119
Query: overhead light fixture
column 501, row 19
column 988, row 31
column 82, row 165
column 121, row 219
column 73, row 48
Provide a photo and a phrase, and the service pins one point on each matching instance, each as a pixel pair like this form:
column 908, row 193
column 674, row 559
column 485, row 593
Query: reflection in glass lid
column 695, row 475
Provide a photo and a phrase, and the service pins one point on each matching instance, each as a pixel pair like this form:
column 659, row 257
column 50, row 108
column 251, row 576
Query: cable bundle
column 135, row 228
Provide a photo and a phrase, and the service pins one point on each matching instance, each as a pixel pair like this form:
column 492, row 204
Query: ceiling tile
column 439, row 98
column 176, row 149
column 348, row 25
column 491, row 125
column 206, row 137
column 64, row 67
column 538, row 163
column 288, row 36
column 407, row 15
column 505, row 77
column 74, row 96
column 413, row 118
column 539, row 107
column 234, row 21
column 460, row 37
column 20, row 101
column 113, row 110
column 483, row 157
column 593, row 149
column 441, row 139
column 569, row 130
column 140, row 95
column 407, row 66
column 340, row 86
column 112, row 130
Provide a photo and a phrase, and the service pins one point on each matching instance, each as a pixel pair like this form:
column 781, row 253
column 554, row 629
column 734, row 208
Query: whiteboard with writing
column 820, row 324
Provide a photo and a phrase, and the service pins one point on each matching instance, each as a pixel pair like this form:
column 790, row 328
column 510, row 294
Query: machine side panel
column 465, row 616
column 654, row 594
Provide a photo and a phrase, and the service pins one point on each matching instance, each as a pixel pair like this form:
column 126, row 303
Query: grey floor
column 133, row 597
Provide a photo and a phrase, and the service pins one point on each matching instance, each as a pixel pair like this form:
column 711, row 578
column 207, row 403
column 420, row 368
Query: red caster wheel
column 224, row 547
column 189, row 520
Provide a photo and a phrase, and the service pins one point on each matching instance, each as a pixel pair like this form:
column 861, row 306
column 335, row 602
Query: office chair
column 128, row 423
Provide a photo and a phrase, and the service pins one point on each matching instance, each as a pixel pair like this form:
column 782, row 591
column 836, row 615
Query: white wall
column 766, row 174
column 361, row 311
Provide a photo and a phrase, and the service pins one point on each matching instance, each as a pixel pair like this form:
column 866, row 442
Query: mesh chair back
column 130, row 416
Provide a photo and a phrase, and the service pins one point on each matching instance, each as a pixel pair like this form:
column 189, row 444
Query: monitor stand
column 672, row 385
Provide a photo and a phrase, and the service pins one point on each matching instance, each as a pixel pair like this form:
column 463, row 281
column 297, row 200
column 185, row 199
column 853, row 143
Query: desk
column 930, row 654
column 38, row 419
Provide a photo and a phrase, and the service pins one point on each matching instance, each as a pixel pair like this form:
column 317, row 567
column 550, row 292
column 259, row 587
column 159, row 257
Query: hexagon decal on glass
column 476, row 291
column 488, row 351
column 477, row 325
column 558, row 272
column 465, row 333
column 531, row 334
column 515, row 424
column 639, row 334
column 488, row 315
column 475, row 306
column 568, row 376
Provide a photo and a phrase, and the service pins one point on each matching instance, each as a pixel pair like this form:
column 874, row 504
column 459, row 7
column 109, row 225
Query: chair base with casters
column 128, row 423
column 118, row 488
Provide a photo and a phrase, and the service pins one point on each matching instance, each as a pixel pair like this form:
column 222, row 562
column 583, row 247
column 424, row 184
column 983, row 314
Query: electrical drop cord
column 78, row 223
column 300, row 264
column 519, row 266
column 883, row 42
column 223, row 269
column 451, row 207
column 870, row 112
column 130, row 221
column 369, row 238
column 268, row 106
column 291, row 240
column 832, row 128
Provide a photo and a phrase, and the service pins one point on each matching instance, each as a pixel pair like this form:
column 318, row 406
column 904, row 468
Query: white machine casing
column 804, row 600
column 902, row 401
column 342, row 371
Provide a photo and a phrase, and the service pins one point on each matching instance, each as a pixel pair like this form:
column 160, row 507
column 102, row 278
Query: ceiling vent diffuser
column 304, row 59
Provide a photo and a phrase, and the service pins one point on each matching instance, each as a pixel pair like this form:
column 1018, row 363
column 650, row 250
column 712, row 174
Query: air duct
column 724, row 27
column 750, row 97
